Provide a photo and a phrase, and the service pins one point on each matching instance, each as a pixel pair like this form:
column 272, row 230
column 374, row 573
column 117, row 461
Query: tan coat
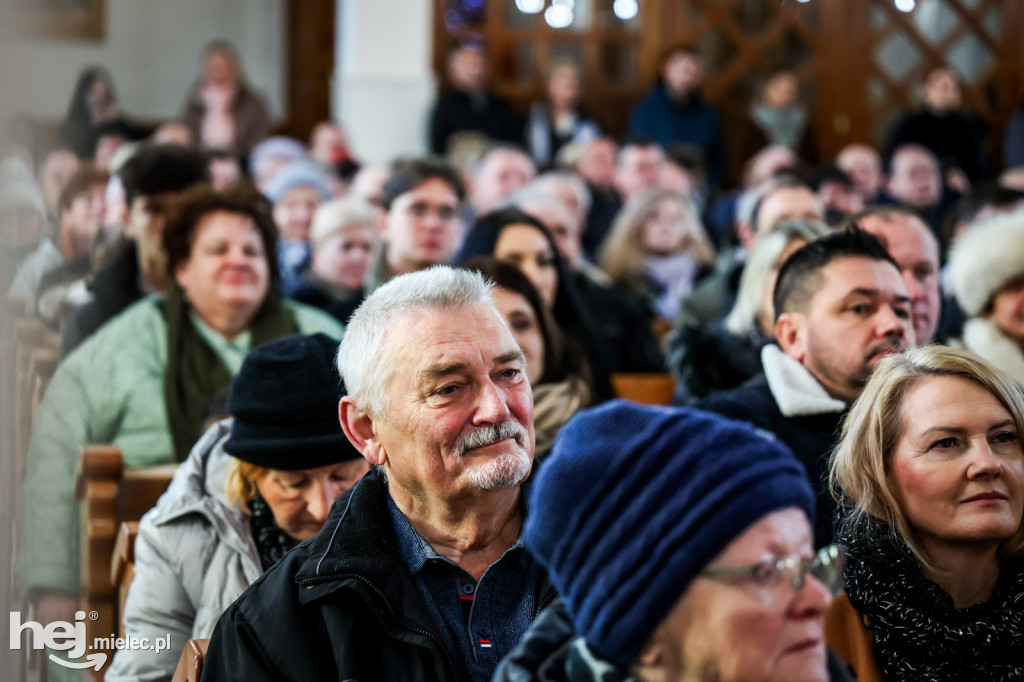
column 849, row 634
column 252, row 120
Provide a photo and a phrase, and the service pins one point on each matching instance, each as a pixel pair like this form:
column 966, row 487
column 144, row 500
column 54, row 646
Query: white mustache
column 487, row 435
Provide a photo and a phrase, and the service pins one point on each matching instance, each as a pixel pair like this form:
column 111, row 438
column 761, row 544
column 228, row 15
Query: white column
column 383, row 82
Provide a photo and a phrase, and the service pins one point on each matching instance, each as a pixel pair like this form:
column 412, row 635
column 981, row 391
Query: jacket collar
column 198, row 487
column 985, row 339
column 357, row 537
column 359, row 541
column 379, row 274
column 796, row 391
column 120, row 277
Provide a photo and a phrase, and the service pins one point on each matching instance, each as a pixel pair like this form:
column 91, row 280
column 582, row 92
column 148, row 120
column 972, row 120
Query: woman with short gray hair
column 345, row 243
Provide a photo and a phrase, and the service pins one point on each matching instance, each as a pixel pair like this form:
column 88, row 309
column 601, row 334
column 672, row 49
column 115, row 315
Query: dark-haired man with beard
column 840, row 306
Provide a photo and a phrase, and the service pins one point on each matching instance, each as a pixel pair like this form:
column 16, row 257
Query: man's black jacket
column 340, row 606
column 114, row 288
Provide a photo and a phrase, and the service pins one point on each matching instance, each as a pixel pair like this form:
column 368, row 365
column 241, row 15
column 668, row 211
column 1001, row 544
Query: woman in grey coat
column 253, row 487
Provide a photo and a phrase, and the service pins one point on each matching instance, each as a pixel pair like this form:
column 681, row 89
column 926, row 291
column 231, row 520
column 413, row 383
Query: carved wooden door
column 310, row 58
column 979, row 39
column 744, row 41
column 859, row 61
column 608, row 39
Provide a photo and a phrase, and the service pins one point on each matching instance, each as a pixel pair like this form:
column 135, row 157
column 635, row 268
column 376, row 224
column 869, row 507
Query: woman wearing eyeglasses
column 681, row 544
column 930, row 478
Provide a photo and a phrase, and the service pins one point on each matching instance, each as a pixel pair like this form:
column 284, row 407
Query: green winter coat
column 109, row 390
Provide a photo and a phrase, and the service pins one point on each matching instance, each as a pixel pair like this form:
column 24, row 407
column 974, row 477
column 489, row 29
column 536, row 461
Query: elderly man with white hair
column 420, row 571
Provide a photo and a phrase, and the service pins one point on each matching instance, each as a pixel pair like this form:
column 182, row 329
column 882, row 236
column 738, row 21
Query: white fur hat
column 984, row 258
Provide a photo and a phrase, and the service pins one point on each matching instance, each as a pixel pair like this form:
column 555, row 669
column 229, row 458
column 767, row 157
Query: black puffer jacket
column 708, row 359
column 340, row 606
column 311, row 292
column 811, row 437
column 113, row 288
column 623, row 326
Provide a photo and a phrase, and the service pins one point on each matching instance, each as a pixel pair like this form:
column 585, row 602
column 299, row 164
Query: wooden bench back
column 646, row 389
column 109, row 495
column 28, row 358
column 190, row 665
column 122, row 567
column 35, row 355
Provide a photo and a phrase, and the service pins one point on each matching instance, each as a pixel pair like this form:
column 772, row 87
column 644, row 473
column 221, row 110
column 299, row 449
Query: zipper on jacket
column 426, row 633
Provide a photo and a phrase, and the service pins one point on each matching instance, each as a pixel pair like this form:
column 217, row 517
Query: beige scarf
column 553, row 404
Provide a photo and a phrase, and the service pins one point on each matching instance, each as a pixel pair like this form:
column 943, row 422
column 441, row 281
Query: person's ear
column 126, row 222
column 358, row 427
column 745, row 233
column 180, row 275
column 648, row 663
column 791, row 333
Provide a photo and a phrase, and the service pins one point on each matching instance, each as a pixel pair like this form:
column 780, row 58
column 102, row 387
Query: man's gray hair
column 362, row 357
column 531, row 196
column 544, row 181
column 749, row 204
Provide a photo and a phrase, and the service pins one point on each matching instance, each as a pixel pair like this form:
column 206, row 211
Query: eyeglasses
column 826, row 567
column 422, row 210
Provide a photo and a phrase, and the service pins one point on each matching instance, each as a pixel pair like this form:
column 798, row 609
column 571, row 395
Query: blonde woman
column 658, row 248
column 930, row 479
column 252, row 488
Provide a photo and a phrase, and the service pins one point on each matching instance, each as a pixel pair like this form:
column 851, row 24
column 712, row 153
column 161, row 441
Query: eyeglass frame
column 421, row 209
column 768, row 572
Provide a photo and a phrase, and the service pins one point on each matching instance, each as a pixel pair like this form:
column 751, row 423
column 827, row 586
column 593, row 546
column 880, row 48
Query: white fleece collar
column 796, row 391
column 985, row 339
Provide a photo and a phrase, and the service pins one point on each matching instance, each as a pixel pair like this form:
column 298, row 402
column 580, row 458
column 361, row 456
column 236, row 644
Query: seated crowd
column 390, row 390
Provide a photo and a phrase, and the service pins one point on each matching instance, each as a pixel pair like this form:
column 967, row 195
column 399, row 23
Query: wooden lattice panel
column 904, row 47
column 840, row 49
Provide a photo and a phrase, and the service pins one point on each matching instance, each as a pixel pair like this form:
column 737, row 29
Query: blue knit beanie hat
column 301, row 173
column 280, row 147
column 634, row 501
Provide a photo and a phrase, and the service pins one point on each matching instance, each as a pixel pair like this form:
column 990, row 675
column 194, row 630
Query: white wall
column 384, row 85
column 152, row 48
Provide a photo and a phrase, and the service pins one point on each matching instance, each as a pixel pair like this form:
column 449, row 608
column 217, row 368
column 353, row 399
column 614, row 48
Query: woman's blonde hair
column 860, row 467
column 742, row 319
column 240, row 487
column 622, row 257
